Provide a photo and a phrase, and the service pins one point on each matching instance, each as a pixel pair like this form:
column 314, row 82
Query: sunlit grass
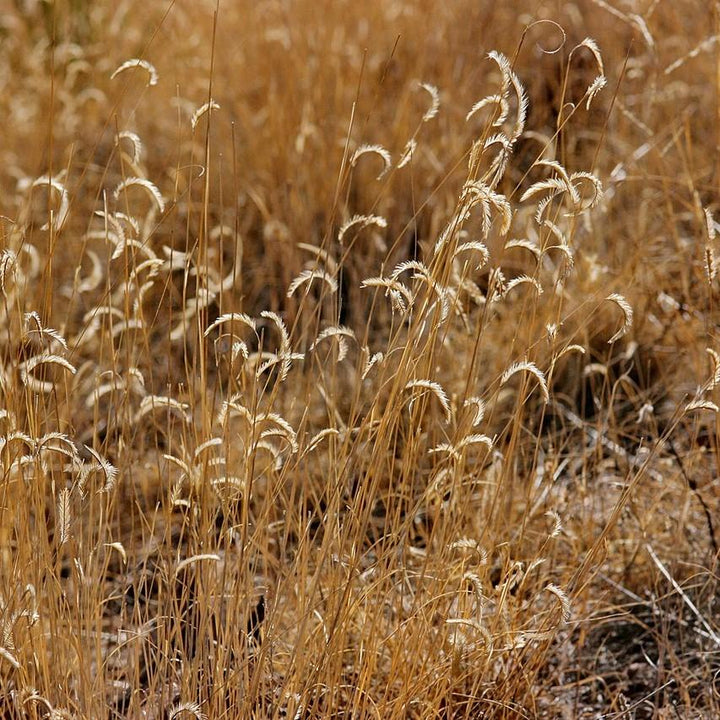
column 358, row 360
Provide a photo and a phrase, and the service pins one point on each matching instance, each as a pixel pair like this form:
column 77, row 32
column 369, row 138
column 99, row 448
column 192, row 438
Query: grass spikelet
column 570, row 348
column 373, row 360
column 151, row 267
column 202, row 557
column 190, row 708
column 92, row 281
column 59, row 217
column 564, row 600
column 595, row 369
column 153, row 76
column 499, row 163
column 327, row 260
column 627, row 312
column 33, row 257
column 477, row 193
column 497, row 284
column 449, row 232
column 510, row 79
column 448, row 448
column 16, row 436
column 534, row 370
column 318, row 438
column 307, row 276
column 700, row 404
column 113, row 232
column 120, row 548
column 564, row 184
column 205, row 108
column 399, row 294
column 455, row 451
column 339, row 332
column 432, row 111
column 150, row 403
column 477, row 247
column 407, row 154
column 27, row 367
column 522, row 280
column 127, row 325
column 57, row 442
column 557, row 167
column 135, row 143
column 207, row 445
column 506, row 147
column 422, row 273
column 503, row 63
column 109, row 471
column 264, row 444
column 377, row 150
column 557, row 233
column 433, row 387
column 595, row 87
column 231, row 408
column 710, row 261
column 565, row 250
column 714, row 380
column 241, row 318
column 238, row 349
column 476, row 583
column 280, row 327
column 577, row 179
column 142, row 291
column 471, row 545
column 524, row 244
column 709, row 224
column 476, row 439
column 479, row 414
column 63, row 516
column 149, row 187
column 600, row 80
column 120, row 221
column 46, row 336
column 498, row 100
column 229, row 486
column 361, row 221
column 176, row 259
column 8, row 265
column 6, row 655
column 557, row 523
column 283, row 429
column 645, row 414
column 267, row 360
column 554, row 186
column 180, row 463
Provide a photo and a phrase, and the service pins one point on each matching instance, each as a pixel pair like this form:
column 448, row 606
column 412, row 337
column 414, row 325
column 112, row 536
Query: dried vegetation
column 359, row 359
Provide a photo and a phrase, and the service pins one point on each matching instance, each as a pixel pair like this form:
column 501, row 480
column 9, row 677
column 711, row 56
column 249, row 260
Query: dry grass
column 359, row 359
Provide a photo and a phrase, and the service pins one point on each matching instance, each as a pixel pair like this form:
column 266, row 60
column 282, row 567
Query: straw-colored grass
column 359, row 359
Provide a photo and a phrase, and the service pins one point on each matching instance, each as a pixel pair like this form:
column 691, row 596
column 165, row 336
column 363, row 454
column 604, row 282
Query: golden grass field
column 359, row 359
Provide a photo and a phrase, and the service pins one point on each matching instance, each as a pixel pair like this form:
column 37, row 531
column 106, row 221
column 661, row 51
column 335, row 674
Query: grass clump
column 355, row 365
